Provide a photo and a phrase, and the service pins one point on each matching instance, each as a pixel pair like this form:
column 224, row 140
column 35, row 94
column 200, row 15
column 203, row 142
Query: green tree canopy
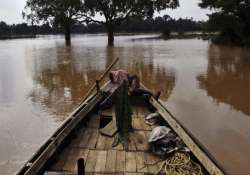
column 116, row 11
column 231, row 18
column 4, row 28
column 62, row 13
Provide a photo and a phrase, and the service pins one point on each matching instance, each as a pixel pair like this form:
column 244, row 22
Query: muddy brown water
column 205, row 86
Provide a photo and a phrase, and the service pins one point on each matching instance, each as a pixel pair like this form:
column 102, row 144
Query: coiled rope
column 180, row 164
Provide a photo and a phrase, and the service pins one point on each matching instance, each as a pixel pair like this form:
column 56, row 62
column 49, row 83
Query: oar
column 99, row 79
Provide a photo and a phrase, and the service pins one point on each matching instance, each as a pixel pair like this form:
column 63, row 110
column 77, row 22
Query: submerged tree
column 62, row 13
column 231, row 18
column 116, row 11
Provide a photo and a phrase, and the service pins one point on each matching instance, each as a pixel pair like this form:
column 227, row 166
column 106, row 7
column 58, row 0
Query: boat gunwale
column 52, row 143
column 52, row 140
column 217, row 169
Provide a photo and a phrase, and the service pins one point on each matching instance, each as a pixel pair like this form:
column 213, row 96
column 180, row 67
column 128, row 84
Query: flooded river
column 205, row 86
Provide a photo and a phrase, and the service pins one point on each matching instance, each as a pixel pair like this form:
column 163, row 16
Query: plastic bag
column 164, row 142
column 153, row 119
column 158, row 133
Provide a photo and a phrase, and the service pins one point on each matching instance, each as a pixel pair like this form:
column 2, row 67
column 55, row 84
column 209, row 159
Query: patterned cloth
column 120, row 76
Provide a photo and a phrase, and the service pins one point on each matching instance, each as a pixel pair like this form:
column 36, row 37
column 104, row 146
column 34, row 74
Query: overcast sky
column 11, row 10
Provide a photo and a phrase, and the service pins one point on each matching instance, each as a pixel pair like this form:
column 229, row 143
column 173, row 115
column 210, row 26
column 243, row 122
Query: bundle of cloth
column 163, row 142
column 133, row 82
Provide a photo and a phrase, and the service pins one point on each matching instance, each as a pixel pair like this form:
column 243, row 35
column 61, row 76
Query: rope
column 180, row 164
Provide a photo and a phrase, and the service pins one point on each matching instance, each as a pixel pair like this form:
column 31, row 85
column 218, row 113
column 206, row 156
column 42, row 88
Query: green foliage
column 61, row 13
column 64, row 13
column 231, row 18
column 58, row 11
column 15, row 29
column 4, row 28
column 116, row 11
column 164, row 24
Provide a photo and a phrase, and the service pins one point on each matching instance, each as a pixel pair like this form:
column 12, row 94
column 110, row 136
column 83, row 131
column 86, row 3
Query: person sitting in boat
column 119, row 76
column 116, row 77
column 136, row 90
column 133, row 82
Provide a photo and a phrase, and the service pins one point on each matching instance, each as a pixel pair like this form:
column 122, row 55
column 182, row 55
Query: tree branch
column 89, row 19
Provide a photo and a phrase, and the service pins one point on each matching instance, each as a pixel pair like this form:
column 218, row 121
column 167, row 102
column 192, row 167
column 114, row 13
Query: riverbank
column 189, row 35
column 5, row 37
column 175, row 35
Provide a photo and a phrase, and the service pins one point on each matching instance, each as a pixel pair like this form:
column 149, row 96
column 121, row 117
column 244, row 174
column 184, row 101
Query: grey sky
column 10, row 10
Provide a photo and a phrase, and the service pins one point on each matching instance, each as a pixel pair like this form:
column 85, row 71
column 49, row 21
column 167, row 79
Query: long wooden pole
column 99, row 79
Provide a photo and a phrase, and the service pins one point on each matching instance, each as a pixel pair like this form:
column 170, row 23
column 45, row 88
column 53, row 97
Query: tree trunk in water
column 110, row 36
column 67, row 34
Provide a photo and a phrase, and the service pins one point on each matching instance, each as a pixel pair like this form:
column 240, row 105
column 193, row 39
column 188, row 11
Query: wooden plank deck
column 99, row 155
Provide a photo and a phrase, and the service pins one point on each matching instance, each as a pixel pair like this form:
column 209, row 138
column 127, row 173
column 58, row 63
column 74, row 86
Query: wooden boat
column 79, row 137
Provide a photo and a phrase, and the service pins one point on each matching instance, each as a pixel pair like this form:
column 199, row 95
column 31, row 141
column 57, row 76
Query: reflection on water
column 63, row 75
column 227, row 82
column 227, row 79
column 42, row 81
column 61, row 78
column 205, row 87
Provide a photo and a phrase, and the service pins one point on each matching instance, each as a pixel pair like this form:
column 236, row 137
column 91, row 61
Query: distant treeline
column 231, row 18
column 133, row 25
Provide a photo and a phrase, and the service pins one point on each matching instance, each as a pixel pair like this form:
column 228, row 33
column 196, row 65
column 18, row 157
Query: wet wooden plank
column 111, row 161
column 108, row 112
column 141, row 162
column 141, row 112
column 136, row 123
column 120, row 161
column 57, row 173
column 145, row 110
column 141, row 141
column 139, row 109
column 105, row 143
column 94, row 121
column 108, row 143
column 130, row 162
column 78, row 138
column 85, row 138
column 101, row 161
column 83, row 153
column 151, row 163
column 147, row 133
column 109, row 130
column 119, row 147
column 139, row 124
column 143, row 124
column 71, row 160
column 91, row 161
column 135, row 111
column 60, row 161
column 93, row 139
column 131, row 145
column 108, row 174
column 100, row 142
